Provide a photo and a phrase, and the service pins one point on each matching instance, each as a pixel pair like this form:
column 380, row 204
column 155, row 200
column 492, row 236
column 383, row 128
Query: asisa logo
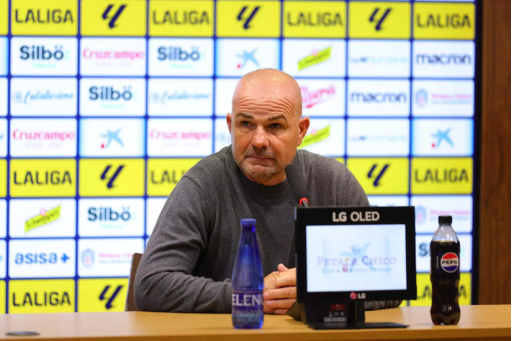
column 450, row 262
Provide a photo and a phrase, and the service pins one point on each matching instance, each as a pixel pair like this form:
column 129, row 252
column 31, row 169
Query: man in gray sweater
column 188, row 261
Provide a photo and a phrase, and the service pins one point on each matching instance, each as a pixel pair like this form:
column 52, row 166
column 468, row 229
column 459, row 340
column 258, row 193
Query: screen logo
column 164, row 174
column 248, row 19
column 374, row 58
column 386, row 137
column 44, row 56
column 169, row 97
column 178, row 137
column 442, row 176
column 112, row 137
column 322, row 97
column 111, row 218
column 33, row 218
column 325, row 137
column 314, row 57
column 444, row 21
column 126, row 96
column 99, row 295
column 181, row 18
column 305, row 19
column 32, row 17
column 443, row 59
column 180, row 57
column 107, row 257
column 116, row 177
column 113, row 18
column 43, row 96
column 41, row 296
column 450, row 137
column 39, row 259
column 112, row 57
column 378, row 97
column 43, row 178
column 379, row 20
column 43, row 137
column 381, row 175
column 236, row 57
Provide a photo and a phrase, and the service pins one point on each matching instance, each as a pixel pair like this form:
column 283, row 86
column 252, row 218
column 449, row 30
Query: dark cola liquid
column 445, row 277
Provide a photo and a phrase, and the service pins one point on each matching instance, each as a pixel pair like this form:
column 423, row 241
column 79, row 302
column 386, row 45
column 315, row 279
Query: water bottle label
column 247, row 301
column 449, row 262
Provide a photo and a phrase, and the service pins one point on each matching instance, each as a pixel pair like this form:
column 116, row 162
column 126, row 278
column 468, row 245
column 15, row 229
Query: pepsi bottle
column 247, row 281
column 445, row 274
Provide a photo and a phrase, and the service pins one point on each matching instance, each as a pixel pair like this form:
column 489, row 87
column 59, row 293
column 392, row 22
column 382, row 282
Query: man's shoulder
column 211, row 168
column 315, row 164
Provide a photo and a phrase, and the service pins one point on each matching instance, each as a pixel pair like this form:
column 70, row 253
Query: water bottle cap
column 445, row 219
column 248, row 222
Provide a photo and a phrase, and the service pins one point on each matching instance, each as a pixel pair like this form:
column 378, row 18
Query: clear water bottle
column 247, row 281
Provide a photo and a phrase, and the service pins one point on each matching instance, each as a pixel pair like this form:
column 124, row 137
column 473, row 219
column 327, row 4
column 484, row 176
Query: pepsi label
column 449, row 262
column 247, row 301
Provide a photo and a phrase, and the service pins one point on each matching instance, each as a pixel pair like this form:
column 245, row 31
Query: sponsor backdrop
column 104, row 105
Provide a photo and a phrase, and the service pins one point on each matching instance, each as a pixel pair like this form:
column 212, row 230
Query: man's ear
column 228, row 121
column 303, row 129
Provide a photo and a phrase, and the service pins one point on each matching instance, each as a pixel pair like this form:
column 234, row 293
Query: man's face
column 265, row 131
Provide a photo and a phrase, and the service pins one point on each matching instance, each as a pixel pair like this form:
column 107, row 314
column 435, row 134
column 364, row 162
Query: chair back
column 130, row 297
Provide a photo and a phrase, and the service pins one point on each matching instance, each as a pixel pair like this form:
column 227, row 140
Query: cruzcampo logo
column 43, row 218
column 316, row 137
column 316, row 57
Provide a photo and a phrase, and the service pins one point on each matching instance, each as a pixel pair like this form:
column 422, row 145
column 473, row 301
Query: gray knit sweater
column 188, row 261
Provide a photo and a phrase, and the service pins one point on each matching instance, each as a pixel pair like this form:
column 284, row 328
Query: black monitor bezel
column 324, row 216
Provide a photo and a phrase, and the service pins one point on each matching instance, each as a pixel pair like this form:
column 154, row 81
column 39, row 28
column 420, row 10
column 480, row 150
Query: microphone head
column 296, row 183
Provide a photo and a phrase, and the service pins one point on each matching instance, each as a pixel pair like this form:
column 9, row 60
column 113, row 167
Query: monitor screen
column 344, row 258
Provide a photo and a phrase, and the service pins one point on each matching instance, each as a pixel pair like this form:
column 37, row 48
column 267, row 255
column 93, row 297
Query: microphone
column 297, row 185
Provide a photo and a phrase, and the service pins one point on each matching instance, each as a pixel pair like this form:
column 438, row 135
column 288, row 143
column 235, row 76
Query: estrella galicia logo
column 104, row 175
column 442, row 136
column 421, row 97
column 247, row 18
column 376, row 175
column 103, row 296
column 378, row 21
column 88, row 258
column 113, row 19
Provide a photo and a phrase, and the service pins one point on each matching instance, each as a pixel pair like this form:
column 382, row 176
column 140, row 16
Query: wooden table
column 477, row 323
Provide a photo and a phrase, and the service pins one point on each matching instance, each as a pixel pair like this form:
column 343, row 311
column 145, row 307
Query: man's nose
column 260, row 138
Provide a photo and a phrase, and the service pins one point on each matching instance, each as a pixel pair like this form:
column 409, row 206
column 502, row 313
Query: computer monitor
column 355, row 254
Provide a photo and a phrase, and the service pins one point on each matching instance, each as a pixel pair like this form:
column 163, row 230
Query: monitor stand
column 347, row 315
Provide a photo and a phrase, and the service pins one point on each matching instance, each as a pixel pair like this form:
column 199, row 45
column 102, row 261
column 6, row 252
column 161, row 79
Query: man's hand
column 280, row 291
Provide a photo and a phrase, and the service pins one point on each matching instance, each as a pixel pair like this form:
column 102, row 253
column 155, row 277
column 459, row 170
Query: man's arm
column 355, row 196
column 164, row 281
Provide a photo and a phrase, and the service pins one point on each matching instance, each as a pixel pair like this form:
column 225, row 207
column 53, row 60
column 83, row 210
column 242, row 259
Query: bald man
column 188, row 262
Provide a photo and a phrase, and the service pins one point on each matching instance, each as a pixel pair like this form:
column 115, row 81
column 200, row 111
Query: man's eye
column 245, row 123
column 275, row 126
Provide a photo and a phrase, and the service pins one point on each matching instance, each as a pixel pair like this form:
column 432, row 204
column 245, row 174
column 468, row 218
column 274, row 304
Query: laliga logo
column 361, row 296
column 450, row 262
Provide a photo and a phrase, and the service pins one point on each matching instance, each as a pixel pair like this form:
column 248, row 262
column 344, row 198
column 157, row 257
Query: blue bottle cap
column 248, row 221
